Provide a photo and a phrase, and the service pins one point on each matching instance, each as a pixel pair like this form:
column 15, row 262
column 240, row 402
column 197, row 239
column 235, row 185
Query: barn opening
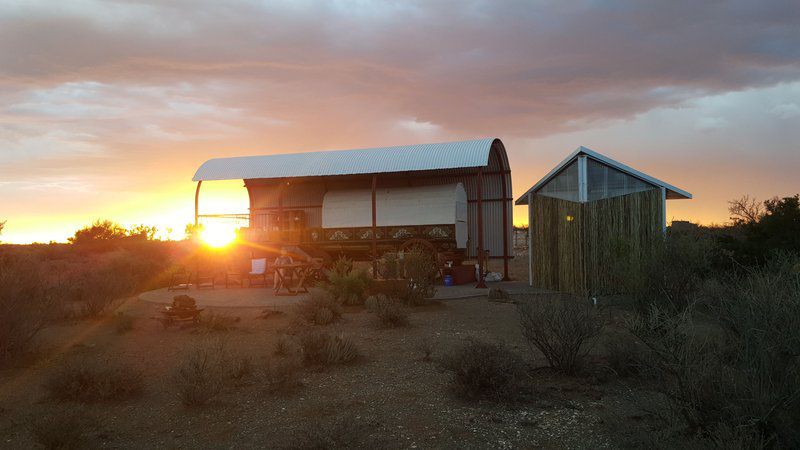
column 584, row 213
column 453, row 198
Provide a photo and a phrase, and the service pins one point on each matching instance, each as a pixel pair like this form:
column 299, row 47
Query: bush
column 322, row 349
column 64, row 429
column 241, row 368
column 25, row 305
column 623, row 356
column 88, row 381
column 421, row 271
column 346, row 284
column 285, row 346
column 484, row 370
column 122, row 323
column 387, row 310
column 561, row 327
column 390, row 266
column 216, row 322
column 320, row 308
column 740, row 368
column 202, row 373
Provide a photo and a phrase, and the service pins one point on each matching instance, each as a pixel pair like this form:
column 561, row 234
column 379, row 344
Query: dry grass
column 91, row 381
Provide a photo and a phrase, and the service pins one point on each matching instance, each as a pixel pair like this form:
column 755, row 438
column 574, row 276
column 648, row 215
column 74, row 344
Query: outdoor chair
column 180, row 280
column 258, row 273
column 233, row 276
column 206, row 279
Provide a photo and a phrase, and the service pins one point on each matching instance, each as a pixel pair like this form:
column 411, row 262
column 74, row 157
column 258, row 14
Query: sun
column 218, row 235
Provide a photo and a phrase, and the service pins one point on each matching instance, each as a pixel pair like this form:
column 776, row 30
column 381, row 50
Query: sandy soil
column 390, row 397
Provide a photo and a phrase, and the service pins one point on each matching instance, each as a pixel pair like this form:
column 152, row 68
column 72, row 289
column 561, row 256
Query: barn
column 586, row 211
column 453, row 198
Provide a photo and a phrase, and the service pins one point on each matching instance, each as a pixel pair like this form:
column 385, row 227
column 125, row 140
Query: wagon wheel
column 427, row 247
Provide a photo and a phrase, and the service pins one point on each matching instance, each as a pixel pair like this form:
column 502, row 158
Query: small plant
column 390, row 266
column 421, row 271
column 64, row 429
column 425, row 348
column 340, row 350
column 285, row 346
column 216, row 322
column 562, row 328
column 321, row 308
column 484, row 370
column 88, row 381
column 499, row 294
column 346, row 284
column 322, row 349
column 388, row 311
column 122, row 323
column 241, row 368
column 202, row 374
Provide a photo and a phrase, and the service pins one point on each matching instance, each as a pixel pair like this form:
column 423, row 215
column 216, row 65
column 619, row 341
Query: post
column 530, row 239
column 664, row 211
column 481, row 283
column 505, row 227
column 374, row 228
column 197, row 204
column 583, row 185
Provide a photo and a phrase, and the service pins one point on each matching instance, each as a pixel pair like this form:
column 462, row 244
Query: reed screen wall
column 576, row 245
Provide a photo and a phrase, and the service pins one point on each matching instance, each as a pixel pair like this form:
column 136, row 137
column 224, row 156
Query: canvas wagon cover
column 417, row 205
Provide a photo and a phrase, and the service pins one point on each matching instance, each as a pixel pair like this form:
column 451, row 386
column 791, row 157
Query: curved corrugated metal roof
column 405, row 158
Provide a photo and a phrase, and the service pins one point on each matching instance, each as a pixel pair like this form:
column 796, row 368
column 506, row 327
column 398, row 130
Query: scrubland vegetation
column 698, row 348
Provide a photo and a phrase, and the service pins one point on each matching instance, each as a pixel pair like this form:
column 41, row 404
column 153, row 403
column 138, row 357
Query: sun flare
column 218, row 236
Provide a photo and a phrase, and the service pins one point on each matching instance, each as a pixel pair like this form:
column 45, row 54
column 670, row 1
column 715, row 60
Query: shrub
column 310, row 309
column 216, row 322
column 322, row 349
column 88, row 381
column 425, row 347
column 739, row 369
column 281, row 375
column 623, row 355
column 122, row 323
column 387, row 310
column 484, row 370
column 421, row 271
column 285, row 346
column 26, row 307
column 390, row 266
column 241, row 368
column 202, row 373
column 397, row 289
column 346, row 284
column 561, row 327
column 340, row 350
column 64, row 429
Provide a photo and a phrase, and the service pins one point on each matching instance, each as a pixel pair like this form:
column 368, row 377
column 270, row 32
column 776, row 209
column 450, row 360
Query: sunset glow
column 218, row 235
column 112, row 122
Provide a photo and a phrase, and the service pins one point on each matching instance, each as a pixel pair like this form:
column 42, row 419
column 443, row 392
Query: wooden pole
column 374, row 228
column 481, row 283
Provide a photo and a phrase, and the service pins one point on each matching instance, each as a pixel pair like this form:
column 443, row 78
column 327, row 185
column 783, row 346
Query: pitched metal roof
column 406, row 158
column 672, row 191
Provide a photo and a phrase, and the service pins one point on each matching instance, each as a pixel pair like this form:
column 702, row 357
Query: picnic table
column 296, row 277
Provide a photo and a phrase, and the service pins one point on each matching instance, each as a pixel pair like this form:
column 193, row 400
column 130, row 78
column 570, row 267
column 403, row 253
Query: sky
column 108, row 108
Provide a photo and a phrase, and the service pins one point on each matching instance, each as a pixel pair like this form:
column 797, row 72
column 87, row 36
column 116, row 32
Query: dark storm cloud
column 527, row 68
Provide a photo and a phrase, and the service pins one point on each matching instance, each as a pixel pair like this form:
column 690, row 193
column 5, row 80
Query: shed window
column 564, row 185
column 605, row 182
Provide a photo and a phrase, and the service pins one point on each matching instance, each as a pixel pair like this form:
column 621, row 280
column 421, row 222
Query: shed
column 354, row 201
column 587, row 211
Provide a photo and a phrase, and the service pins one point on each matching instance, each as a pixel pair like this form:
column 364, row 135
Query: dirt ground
column 391, row 397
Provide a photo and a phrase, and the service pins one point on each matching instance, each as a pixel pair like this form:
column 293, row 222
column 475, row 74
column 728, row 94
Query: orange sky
column 108, row 108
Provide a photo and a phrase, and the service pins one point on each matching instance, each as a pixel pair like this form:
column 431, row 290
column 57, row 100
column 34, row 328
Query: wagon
column 453, row 199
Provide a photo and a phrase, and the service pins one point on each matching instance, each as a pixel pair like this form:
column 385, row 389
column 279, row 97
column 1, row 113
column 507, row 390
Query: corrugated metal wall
column 307, row 194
